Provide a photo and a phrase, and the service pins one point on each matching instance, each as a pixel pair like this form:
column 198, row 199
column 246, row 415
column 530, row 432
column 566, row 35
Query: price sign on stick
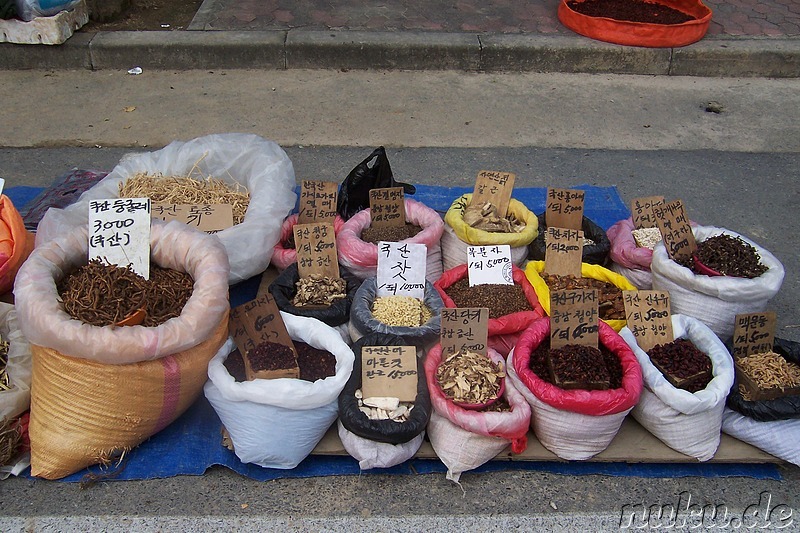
column 387, row 207
column 211, row 218
column 573, row 318
column 563, row 251
column 119, row 232
column 494, row 187
column 642, row 211
column 564, row 208
column 675, row 229
column 464, row 328
column 316, row 250
column 753, row 333
column 489, row 265
column 317, row 201
column 256, row 322
column 389, row 371
column 401, row 269
column 648, row 316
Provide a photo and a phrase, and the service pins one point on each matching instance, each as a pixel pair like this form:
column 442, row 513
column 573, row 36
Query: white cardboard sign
column 119, row 232
column 401, row 269
column 489, row 265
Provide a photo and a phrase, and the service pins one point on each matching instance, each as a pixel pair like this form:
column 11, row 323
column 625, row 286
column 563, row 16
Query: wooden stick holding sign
column 563, row 252
column 648, row 316
column 387, row 207
column 464, row 328
column 564, row 208
column 316, row 250
column 317, row 202
column 675, row 230
column 494, row 187
column 389, row 372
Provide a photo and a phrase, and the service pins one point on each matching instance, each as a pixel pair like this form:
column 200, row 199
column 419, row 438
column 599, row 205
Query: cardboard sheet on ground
column 192, row 444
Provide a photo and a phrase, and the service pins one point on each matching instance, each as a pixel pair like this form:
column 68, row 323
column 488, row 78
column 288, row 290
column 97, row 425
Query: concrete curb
column 184, row 50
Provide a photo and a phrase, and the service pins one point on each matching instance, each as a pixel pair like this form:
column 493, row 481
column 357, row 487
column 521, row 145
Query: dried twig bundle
column 10, row 440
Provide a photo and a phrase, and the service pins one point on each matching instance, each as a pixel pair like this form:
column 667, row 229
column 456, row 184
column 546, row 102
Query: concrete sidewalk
column 747, row 38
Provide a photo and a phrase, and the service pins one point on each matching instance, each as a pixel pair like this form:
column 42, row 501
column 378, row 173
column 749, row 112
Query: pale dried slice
column 468, row 377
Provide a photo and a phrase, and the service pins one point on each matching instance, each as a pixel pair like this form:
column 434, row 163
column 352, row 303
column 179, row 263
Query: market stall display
column 595, row 246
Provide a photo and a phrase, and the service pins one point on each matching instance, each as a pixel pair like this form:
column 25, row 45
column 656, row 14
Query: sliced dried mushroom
column 470, row 378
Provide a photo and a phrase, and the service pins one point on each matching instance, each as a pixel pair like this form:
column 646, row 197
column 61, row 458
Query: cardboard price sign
column 573, row 318
column 564, row 208
column 494, row 187
column 210, row 218
column 563, row 251
column 317, row 201
column 401, row 269
column 256, row 322
column 316, row 250
column 489, row 265
column 464, row 328
column 675, row 229
column 387, row 207
column 642, row 211
column 753, row 333
column 648, row 317
column 389, row 371
column 119, row 232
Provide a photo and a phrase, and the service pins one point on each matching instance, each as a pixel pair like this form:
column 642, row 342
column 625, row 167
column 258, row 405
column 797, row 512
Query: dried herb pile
column 470, row 378
column 316, row 290
column 768, row 370
column 5, row 379
column 539, row 364
column 501, row 300
column 389, row 233
column 101, row 294
column 730, row 256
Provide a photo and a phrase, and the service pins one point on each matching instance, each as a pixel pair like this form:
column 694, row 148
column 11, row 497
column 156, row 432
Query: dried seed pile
column 647, row 237
column 469, row 377
column 319, row 291
column 630, row 10
column 730, row 256
column 384, row 408
column 101, row 294
column 577, row 366
column 271, row 356
column 187, row 190
column 770, row 370
column 5, row 379
column 689, row 368
column 501, row 300
column 611, row 305
column 486, row 217
column 314, row 363
column 539, row 365
column 389, row 233
column 400, row 311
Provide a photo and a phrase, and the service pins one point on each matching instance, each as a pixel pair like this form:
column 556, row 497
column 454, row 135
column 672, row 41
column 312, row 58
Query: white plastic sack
column 569, row 435
column 17, row 399
column 715, row 301
column 642, row 279
column 28, row 10
column 778, row 438
column 686, row 422
column 261, row 166
column 276, row 423
column 174, row 245
column 373, row 454
column 454, row 250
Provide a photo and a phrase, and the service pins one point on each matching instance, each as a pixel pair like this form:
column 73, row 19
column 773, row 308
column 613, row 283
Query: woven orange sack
column 16, row 243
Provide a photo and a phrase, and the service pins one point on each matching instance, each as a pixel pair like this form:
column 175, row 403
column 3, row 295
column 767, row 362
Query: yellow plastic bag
column 534, row 268
column 477, row 237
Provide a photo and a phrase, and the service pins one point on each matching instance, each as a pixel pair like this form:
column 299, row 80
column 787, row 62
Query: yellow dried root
column 770, row 371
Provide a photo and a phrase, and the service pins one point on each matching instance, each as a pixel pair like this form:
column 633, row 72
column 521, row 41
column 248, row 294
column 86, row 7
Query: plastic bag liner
column 574, row 424
column 385, row 431
column 687, row 422
column 361, row 257
column 511, row 323
column 455, row 242
column 362, row 321
column 374, row 172
column 261, row 166
column 284, row 288
column 17, row 399
column 770, row 410
column 595, row 254
column 715, row 301
column 283, row 257
column 15, row 243
column 276, row 423
column 778, row 438
column 534, row 268
column 464, row 439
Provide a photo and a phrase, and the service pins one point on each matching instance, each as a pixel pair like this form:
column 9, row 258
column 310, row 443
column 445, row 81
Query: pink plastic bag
column 623, row 247
column 283, row 257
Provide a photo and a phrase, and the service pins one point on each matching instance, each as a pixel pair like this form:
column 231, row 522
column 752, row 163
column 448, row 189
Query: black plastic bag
column 785, row 408
column 386, row 431
column 284, row 288
column 421, row 337
column 354, row 191
column 595, row 254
